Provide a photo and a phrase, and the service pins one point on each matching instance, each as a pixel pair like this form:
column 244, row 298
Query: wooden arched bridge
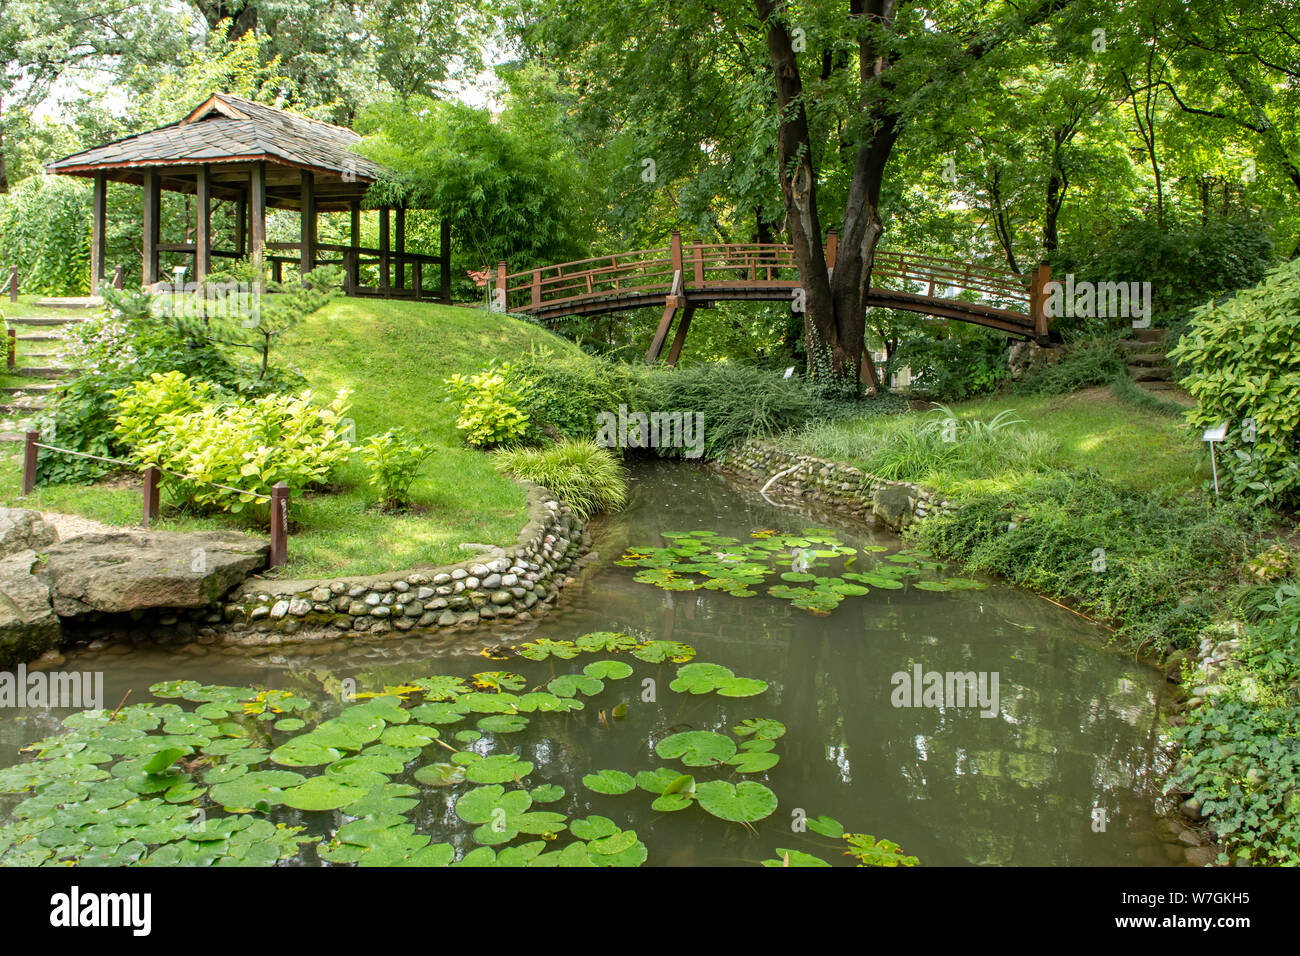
column 682, row 279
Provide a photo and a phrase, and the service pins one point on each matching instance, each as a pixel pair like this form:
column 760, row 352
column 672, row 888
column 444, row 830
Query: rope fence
column 278, row 498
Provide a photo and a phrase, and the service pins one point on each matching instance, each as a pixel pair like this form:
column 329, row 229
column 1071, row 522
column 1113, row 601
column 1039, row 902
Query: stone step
column 13, row 408
column 29, row 389
column 37, row 337
column 1144, row 374
column 46, row 371
column 1149, row 335
column 43, row 320
column 1148, row 358
column 71, row 302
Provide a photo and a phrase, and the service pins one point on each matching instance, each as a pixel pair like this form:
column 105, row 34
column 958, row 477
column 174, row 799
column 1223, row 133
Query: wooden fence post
column 12, row 359
column 117, row 277
column 29, row 463
column 151, row 475
column 279, row 524
column 13, row 283
column 500, row 304
column 697, row 255
column 1038, row 302
column 537, row 287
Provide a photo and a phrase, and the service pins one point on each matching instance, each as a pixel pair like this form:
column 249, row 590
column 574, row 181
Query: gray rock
column 279, row 610
column 413, row 609
column 320, row 595
column 492, row 581
column 501, row 598
column 23, row 530
column 401, row 586
column 117, row 572
column 381, row 611
column 373, row 599
column 892, row 505
column 358, row 608
column 298, row 607
column 28, row 624
column 447, row 619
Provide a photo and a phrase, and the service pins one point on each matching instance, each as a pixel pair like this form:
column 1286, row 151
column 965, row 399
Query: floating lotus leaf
column 700, row 678
column 593, row 827
column 798, row 576
column 607, row 641
column 302, row 752
column 932, row 586
column 608, row 670
column 753, row 761
column 290, row 723
column 656, row 652
column 696, row 748
column 826, row 826
column 441, row 775
column 499, row 680
column 609, row 781
column 502, row 724
column 541, row 702
column 163, row 759
column 497, row 768
column 657, row 780
column 544, row 648
column 468, row 736
column 321, row 793
column 795, row 858
column 441, row 688
column 485, row 703
column 411, row 735
column 440, row 713
column 547, row 793
column 671, row 802
column 478, row 805
column 247, row 791
column 763, row 728
column 569, row 685
column 745, row 802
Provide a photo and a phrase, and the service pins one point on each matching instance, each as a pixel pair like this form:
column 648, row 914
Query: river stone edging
column 851, row 490
column 499, row 583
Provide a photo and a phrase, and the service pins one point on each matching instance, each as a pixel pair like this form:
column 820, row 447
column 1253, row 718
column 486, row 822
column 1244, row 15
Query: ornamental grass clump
column 583, row 475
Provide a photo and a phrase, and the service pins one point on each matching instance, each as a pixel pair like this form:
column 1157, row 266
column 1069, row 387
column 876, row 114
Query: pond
column 1064, row 738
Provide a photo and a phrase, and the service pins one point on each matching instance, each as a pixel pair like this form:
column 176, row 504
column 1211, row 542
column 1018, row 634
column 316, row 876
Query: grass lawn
column 1086, row 429
column 394, row 356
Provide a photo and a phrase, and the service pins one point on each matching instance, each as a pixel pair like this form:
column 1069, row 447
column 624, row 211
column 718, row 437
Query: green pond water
column 1073, row 730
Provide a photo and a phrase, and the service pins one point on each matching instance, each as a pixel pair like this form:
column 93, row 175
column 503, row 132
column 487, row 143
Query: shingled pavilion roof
column 229, row 129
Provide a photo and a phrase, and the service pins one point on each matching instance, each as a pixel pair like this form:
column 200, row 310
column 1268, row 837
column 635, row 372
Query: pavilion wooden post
column 1038, row 302
column 385, row 276
column 152, row 208
column 117, row 277
column 241, row 226
column 98, row 215
column 399, row 239
column 257, row 215
column 444, row 252
column 279, row 524
column 307, row 248
column 203, row 224
column 150, row 495
column 351, row 258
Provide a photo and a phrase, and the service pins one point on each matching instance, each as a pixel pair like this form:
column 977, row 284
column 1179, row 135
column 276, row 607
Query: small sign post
column 1212, row 435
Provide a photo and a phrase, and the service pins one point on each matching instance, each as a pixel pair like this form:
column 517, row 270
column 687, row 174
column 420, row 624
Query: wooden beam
column 1038, row 302
column 98, row 216
column 351, row 259
column 203, row 225
column 308, row 241
column 680, row 338
column 149, row 244
column 257, row 214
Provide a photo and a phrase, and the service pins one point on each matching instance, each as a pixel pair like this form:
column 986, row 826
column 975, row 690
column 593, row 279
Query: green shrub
column 953, row 363
column 43, row 231
column 1081, row 365
column 1245, row 357
column 1159, row 570
column 1185, row 264
column 394, row 461
column 735, row 402
column 585, row 476
column 563, row 392
column 244, row 444
column 145, row 409
column 1239, row 753
column 124, row 343
column 491, row 406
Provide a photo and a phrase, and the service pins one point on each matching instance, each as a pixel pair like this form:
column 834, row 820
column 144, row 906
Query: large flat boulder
column 21, row 529
column 122, row 571
column 28, row 624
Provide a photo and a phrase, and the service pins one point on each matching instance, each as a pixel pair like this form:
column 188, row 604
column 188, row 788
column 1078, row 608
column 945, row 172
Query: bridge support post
column 680, row 338
column 499, row 303
column 1038, row 302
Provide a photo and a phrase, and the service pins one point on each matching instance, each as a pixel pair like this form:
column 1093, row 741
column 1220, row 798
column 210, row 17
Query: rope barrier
column 132, row 464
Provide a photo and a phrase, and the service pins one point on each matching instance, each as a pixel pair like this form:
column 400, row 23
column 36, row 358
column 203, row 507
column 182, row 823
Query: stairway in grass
column 1149, row 366
column 37, row 338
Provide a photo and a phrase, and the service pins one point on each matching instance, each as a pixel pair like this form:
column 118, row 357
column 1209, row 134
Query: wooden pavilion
column 258, row 158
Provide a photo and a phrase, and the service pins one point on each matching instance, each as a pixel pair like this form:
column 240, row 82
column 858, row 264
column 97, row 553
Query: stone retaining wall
column 850, row 490
column 498, row 583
